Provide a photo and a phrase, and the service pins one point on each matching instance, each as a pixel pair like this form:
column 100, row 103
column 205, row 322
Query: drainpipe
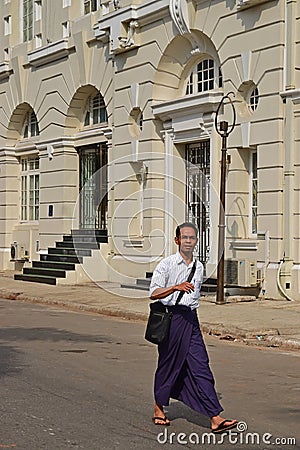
column 284, row 275
column 112, row 169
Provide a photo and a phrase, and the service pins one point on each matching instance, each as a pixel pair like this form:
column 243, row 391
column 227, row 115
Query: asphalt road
column 82, row 381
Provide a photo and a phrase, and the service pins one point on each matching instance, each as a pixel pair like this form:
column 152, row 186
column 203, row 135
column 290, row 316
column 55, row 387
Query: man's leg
column 199, row 374
column 199, row 391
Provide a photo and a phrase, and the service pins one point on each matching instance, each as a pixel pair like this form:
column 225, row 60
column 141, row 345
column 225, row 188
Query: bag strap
column 188, row 280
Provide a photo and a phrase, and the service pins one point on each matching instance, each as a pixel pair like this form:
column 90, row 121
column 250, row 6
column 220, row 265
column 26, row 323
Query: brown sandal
column 163, row 419
column 221, row 428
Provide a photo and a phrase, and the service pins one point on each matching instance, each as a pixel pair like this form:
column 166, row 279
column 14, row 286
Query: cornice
column 119, row 29
column 5, row 70
column 49, row 53
column 294, row 94
column 199, row 103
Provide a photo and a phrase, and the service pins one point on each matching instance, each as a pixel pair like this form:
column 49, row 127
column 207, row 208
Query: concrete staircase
column 64, row 256
column 209, row 285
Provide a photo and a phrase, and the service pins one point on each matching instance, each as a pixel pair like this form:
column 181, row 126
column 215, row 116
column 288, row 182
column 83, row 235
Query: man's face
column 187, row 240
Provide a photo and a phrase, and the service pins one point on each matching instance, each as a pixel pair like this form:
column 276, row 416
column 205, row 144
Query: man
column 183, row 371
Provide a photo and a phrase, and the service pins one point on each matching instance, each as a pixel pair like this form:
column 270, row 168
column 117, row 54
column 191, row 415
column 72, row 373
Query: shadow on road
column 9, row 360
column 48, row 334
column 177, row 410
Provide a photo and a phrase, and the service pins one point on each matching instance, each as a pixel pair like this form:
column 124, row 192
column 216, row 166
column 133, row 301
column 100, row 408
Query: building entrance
column 93, row 186
column 198, row 194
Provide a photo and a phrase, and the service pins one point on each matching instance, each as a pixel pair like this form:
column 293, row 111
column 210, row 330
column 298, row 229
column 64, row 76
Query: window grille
column 31, row 127
column 27, row 20
column 253, row 192
column 253, row 99
column 198, row 194
column 96, row 111
column 205, row 76
column 90, row 6
column 30, row 189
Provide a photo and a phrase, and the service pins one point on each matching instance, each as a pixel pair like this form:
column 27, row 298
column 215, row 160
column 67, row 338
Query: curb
column 262, row 338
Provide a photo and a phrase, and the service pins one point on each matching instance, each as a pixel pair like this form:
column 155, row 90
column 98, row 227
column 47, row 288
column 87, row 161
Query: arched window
column 205, row 76
column 31, row 127
column 96, row 111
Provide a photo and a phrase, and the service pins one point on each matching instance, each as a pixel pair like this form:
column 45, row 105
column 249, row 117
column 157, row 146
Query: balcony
column 49, row 53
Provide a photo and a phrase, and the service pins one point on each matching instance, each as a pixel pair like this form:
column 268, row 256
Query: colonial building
column 108, row 137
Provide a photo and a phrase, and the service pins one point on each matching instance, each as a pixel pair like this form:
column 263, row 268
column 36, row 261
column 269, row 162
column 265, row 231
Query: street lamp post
column 224, row 131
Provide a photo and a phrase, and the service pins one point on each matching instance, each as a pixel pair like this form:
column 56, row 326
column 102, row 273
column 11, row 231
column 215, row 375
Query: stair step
column 135, row 286
column 89, row 232
column 67, row 237
column 79, row 245
column 89, row 238
column 62, row 258
column 208, row 288
column 53, row 265
column 69, row 251
column 211, row 281
column 36, row 279
column 143, row 282
column 44, row 271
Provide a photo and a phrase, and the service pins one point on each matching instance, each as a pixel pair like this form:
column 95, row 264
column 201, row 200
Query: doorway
column 93, row 186
column 198, row 194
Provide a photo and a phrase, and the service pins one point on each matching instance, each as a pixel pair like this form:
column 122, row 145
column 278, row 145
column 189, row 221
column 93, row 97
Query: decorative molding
column 102, row 36
column 245, row 130
column 107, row 133
column 56, row 143
column 180, row 16
column 49, row 53
column 109, row 27
column 189, row 117
column 133, row 242
column 127, row 42
column 244, row 244
column 243, row 4
column 135, row 150
column 7, row 152
column 246, row 63
column 5, row 70
column 134, row 95
column 206, row 102
column 294, row 94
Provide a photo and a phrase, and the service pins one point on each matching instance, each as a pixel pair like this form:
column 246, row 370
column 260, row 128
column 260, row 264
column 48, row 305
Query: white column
column 169, row 188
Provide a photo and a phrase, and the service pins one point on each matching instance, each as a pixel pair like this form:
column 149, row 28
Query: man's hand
column 164, row 292
column 185, row 286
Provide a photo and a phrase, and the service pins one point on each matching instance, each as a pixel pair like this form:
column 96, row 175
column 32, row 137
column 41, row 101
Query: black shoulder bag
column 158, row 326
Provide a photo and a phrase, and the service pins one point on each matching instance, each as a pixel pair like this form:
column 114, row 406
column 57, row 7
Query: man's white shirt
column 174, row 270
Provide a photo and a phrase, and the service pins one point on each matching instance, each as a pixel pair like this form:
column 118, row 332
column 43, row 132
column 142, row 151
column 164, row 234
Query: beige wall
column 150, row 72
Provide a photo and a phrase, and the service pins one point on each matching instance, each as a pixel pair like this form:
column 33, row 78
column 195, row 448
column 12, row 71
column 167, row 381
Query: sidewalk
column 259, row 322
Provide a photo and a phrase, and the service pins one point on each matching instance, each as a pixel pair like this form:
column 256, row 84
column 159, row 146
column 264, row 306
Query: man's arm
column 164, row 292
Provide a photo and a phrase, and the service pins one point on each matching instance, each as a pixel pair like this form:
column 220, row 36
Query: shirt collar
column 180, row 260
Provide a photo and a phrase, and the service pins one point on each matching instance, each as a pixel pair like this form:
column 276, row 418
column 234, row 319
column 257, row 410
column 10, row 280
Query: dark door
column 198, row 194
column 93, row 186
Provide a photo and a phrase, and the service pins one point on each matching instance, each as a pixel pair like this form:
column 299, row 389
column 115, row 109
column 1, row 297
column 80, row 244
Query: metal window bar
column 206, row 75
column 254, row 186
column 198, row 194
column 93, row 187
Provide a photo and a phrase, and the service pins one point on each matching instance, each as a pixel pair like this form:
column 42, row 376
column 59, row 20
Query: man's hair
column 186, row 225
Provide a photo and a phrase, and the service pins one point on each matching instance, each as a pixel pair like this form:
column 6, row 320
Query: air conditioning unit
column 18, row 252
column 240, row 272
